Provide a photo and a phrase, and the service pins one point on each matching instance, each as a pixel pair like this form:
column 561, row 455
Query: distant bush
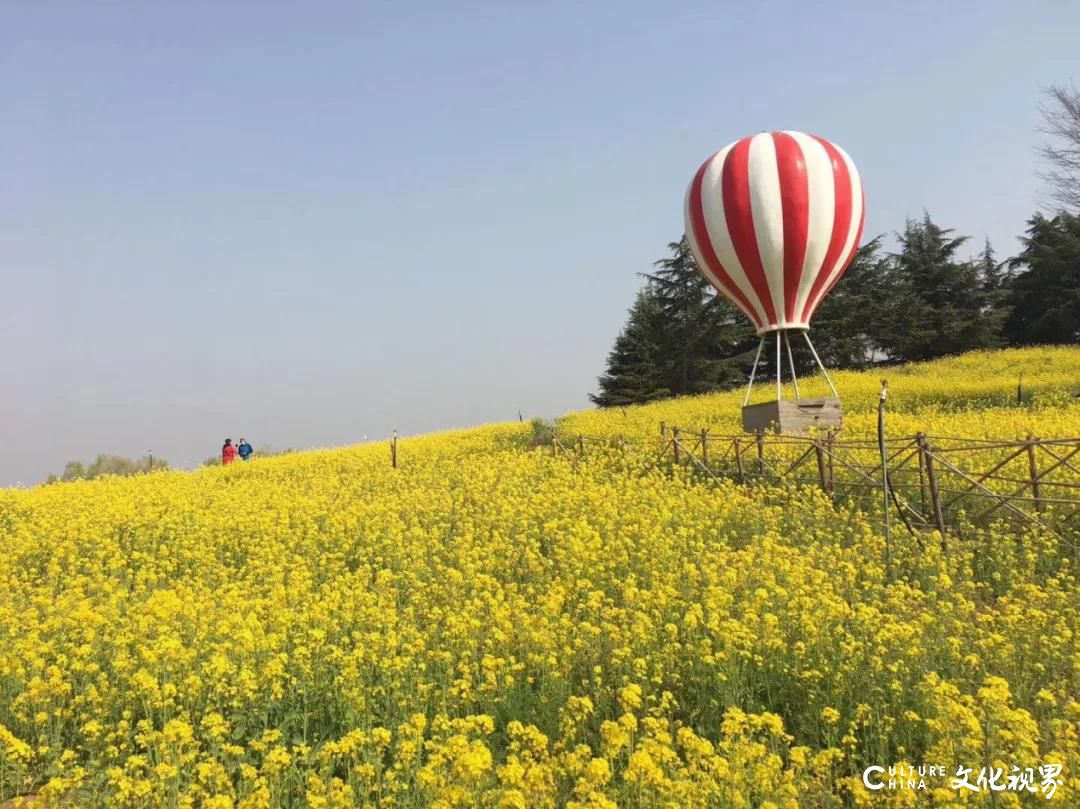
column 107, row 465
column 543, row 433
column 268, row 451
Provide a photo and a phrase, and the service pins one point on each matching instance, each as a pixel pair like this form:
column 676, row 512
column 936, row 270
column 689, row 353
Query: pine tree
column 935, row 304
column 680, row 338
column 709, row 342
column 994, row 274
column 845, row 326
column 635, row 365
column 1044, row 295
column 995, row 277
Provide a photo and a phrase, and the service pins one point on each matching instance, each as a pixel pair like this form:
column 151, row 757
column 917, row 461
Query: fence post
column 663, row 429
column 935, row 493
column 922, row 470
column 393, row 451
column 884, row 476
column 1033, row 469
column 821, row 465
column 705, row 447
column 830, row 440
column 580, row 445
column 738, row 461
column 675, row 442
column 761, row 453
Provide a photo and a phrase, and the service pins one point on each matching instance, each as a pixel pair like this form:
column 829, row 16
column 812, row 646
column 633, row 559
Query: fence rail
column 932, row 479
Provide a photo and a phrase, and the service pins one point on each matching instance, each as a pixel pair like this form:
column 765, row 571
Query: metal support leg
column 779, row 369
column 753, row 371
column 817, row 359
column 791, row 363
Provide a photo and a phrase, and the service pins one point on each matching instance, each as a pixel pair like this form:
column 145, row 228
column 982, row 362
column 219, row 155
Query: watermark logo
column 900, row 776
column 1044, row 779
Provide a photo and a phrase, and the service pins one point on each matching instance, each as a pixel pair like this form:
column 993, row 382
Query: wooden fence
column 932, row 480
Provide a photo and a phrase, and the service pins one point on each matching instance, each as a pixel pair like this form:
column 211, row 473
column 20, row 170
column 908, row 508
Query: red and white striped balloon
column 773, row 220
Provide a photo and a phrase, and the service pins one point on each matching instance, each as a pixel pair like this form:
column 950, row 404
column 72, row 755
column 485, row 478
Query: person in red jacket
column 228, row 452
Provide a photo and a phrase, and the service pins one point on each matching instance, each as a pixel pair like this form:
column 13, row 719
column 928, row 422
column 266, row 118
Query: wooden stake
column 935, row 493
column 705, row 447
column 830, row 440
column 393, row 451
column 884, row 476
column 675, row 442
column 738, row 461
column 663, row 429
column 821, row 466
column 761, row 453
column 922, row 470
column 1033, row 470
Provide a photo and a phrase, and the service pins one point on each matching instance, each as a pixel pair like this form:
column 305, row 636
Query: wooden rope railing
column 929, row 468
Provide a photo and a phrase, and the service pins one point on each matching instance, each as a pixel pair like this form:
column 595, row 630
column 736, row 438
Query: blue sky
column 308, row 223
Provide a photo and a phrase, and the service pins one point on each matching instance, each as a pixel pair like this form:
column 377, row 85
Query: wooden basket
column 793, row 416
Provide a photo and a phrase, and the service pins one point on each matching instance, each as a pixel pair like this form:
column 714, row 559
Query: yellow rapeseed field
column 492, row 626
column 973, row 395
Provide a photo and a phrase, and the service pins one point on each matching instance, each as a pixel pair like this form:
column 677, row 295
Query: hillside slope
column 938, row 397
column 491, row 626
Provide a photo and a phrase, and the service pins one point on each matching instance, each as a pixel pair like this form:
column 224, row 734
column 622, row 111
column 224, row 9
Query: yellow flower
column 630, row 697
column 277, row 759
column 492, row 623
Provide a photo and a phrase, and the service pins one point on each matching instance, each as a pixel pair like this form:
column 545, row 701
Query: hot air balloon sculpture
column 773, row 220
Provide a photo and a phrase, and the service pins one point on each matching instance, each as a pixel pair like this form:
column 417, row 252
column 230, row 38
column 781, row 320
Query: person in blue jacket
column 244, row 450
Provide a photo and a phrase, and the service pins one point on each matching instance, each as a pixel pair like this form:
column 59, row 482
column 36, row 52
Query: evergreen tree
column 635, row 365
column 994, row 274
column 708, row 341
column 934, row 303
column 1044, row 295
column 845, row 325
column 681, row 337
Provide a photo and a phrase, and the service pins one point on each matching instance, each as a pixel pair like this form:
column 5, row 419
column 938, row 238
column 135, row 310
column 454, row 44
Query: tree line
column 920, row 301
column 104, row 465
column 119, row 466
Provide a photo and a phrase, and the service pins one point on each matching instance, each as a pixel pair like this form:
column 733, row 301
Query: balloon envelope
column 773, row 220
